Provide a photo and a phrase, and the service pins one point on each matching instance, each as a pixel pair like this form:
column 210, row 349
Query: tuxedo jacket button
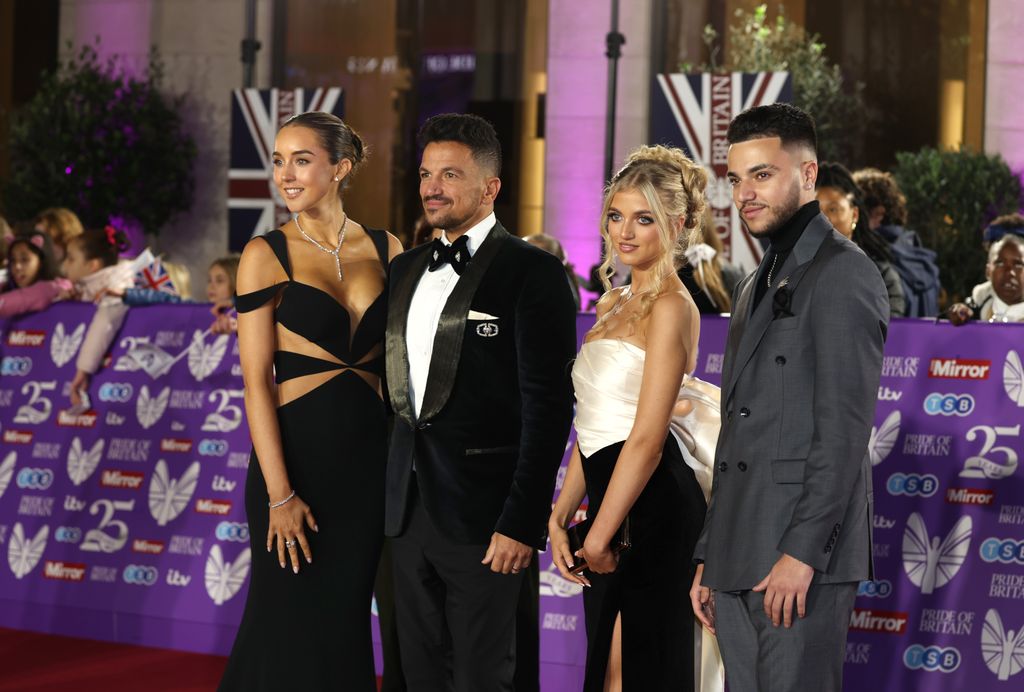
column 742, row 466
column 744, row 412
column 723, row 466
column 423, row 426
column 781, row 360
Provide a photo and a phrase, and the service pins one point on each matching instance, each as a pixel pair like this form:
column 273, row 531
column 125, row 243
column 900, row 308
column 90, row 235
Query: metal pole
column 249, row 45
column 614, row 42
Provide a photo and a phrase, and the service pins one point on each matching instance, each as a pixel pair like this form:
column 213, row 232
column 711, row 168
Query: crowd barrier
column 127, row 522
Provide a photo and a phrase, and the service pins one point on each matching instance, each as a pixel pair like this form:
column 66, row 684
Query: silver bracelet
column 275, row 505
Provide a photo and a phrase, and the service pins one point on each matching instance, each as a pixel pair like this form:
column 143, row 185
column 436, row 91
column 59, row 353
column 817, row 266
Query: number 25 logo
column 981, row 466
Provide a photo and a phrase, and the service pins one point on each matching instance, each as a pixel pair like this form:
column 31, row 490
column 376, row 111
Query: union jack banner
column 693, row 111
column 254, row 205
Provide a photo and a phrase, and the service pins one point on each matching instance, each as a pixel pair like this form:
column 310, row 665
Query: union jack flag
column 254, row 205
column 693, row 111
column 151, row 273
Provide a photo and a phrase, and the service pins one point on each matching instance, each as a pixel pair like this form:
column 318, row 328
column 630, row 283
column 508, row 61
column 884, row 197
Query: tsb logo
column 1005, row 550
column 232, row 531
column 912, row 484
column 68, row 534
column 948, row 404
column 932, row 658
column 35, row 479
column 15, row 366
column 141, row 575
column 879, row 588
column 116, row 391
column 213, row 448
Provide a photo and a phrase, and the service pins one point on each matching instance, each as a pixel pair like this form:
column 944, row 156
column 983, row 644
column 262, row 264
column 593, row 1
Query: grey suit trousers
column 807, row 657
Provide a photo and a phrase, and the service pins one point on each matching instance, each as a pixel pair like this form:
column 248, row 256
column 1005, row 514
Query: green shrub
column 102, row 143
column 951, row 197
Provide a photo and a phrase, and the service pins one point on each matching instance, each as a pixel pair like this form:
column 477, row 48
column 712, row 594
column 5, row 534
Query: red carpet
column 35, row 662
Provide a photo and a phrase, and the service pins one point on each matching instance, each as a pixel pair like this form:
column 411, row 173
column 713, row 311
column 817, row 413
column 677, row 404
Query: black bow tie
column 456, row 254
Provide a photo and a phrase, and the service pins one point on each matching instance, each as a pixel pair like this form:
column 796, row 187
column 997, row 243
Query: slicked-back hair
column 785, row 121
column 469, row 130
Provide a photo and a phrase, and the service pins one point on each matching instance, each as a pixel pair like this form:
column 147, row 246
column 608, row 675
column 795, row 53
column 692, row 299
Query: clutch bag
column 578, row 534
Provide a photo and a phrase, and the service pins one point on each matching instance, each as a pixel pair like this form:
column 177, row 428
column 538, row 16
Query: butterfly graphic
column 204, row 358
column 64, row 346
column 22, row 554
column 169, row 496
column 884, row 438
column 7, row 471
column 928, row 563
column 82, row 462
column 148, row 409
column 1003, row 651
column 225, row 579
column 1013, row 378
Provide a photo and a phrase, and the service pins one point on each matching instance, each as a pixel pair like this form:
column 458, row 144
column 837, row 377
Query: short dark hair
column 782, row 120
column 470, row 130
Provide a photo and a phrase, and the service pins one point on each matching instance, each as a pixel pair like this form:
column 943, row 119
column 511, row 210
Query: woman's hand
column 959, row 314
column 598, row 554
column 78, row 387
column 104, row 292
column 225, row 321
column 561, row 555
column 286, row 526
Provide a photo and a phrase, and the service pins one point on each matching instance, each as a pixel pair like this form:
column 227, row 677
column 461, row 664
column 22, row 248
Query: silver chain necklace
column 775, row 259
column 335, row 251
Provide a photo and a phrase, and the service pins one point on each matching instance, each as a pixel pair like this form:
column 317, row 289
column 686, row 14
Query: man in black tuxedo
column 481, row 330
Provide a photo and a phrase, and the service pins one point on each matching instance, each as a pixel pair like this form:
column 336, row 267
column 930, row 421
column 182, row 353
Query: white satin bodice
column 607, row 376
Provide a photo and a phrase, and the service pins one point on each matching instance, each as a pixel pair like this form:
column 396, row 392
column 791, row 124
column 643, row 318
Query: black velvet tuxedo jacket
column 497, row 405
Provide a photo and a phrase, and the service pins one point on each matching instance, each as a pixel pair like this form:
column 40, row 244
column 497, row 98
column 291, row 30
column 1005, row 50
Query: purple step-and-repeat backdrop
column 127, row 522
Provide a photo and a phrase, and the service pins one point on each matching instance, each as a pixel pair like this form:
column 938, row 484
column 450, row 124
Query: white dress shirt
column 428, row 300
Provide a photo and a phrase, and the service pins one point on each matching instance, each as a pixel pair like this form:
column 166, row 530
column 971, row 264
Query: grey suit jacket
column 792, row 474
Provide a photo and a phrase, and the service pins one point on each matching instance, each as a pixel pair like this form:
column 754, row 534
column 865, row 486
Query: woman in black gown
column 312, row 309
column 645, row 437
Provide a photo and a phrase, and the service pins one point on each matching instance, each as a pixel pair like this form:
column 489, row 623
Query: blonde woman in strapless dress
column 646, row 432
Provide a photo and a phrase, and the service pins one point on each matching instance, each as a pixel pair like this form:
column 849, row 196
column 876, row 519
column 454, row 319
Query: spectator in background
column 1001, row 298
column 1000, row 226
column 887, row 214
column 220, row 290
column 708, row 277
column 91, row 263
column 34, row 282
column 550, row 245
column 6, row 236
column 841, row 202
column 61, row 225
column 180, row 278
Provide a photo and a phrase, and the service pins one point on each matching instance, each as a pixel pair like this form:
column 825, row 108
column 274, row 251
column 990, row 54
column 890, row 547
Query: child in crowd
column 91, row 263
column 62, row 225
column 220, row 290
column 33, row 282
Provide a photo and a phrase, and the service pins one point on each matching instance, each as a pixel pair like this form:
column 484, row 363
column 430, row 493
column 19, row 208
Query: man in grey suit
column 788, row 530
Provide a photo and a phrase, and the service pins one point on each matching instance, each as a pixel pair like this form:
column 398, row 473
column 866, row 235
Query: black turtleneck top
column 782, row 242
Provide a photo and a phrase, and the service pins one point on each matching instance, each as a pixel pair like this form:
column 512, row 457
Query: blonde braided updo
column 673, row 185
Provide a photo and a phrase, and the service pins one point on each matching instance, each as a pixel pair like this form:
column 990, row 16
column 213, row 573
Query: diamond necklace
column 335, row 251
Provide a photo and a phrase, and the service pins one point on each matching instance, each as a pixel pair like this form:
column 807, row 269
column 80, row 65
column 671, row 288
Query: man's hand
column 785, row 586
column 506, row 555
column 702, row 600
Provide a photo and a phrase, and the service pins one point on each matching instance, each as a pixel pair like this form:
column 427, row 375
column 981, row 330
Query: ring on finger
column 289, row 544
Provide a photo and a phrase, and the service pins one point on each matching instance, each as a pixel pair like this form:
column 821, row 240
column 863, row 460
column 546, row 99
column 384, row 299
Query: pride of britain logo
column 931, row 562
column 1003, row 651
column 948, row 404
column 1013, row 378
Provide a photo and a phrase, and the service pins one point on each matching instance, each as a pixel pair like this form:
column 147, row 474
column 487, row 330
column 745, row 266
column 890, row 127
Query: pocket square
column 474, row 315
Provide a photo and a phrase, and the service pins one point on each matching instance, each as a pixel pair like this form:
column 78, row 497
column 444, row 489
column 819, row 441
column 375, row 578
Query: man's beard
column 780, row 215
column 447, row 219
